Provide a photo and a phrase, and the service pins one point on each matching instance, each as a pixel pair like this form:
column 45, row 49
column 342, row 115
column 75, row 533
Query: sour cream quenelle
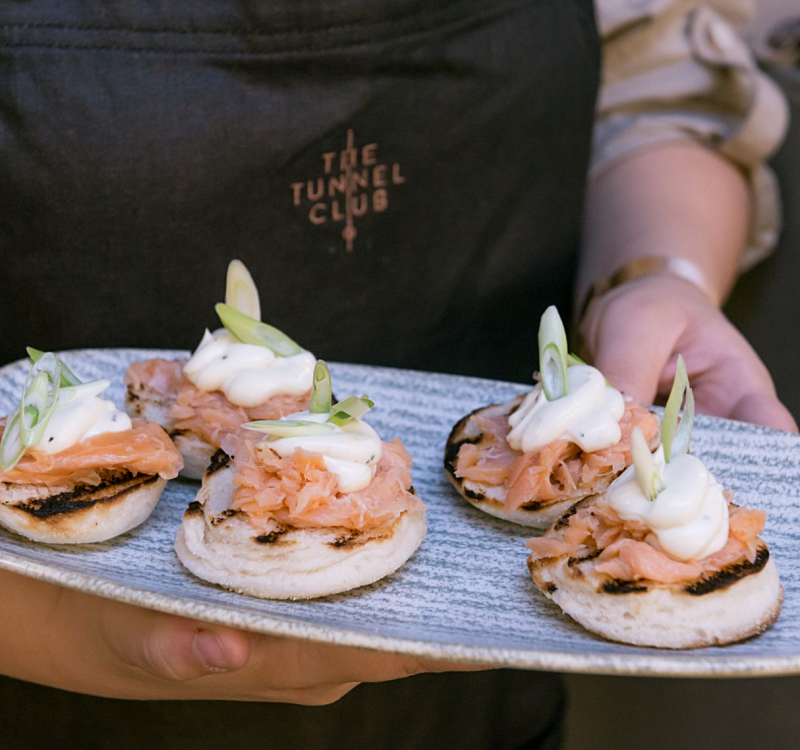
column 247, row 374
column 82, row 414
column 688, row 517
column 352, row 451
column 588, row 415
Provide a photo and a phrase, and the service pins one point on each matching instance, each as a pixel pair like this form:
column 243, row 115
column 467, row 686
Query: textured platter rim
column 655, row 664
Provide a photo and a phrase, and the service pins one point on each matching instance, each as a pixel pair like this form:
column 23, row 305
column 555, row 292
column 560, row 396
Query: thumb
column 175, row 648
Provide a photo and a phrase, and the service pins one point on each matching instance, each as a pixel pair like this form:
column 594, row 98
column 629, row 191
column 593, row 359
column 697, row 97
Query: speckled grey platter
column 466, row 594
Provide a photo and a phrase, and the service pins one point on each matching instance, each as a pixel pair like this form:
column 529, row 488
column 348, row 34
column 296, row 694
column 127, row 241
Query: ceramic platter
column 466, row 594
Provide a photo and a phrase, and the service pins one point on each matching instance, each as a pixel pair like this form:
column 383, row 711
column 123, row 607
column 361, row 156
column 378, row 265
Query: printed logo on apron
column 354, row 182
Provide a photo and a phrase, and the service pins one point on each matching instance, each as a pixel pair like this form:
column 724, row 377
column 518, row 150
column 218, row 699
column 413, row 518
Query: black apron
column 404, row 178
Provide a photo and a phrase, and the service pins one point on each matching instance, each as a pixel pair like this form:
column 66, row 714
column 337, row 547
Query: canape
column 663, row 558
column 73, row 468
column 318, row 506
column 245, row 371
column 530, row 459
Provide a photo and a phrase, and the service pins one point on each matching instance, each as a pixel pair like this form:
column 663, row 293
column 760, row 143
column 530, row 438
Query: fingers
column 759, row 408
column 632, row 358
column 378, row 667
column 737, row 385
column 306, row 665
column 633, row 331
column 636, row 333
column 639, row 381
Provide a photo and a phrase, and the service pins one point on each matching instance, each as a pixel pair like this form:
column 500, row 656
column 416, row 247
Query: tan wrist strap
column 648, row 265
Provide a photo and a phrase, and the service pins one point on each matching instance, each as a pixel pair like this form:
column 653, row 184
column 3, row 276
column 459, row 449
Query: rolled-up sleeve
column 677, row 71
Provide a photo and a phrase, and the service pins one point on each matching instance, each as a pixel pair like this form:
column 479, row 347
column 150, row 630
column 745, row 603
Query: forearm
column 25, row 644
column 678, row 200
column 50, row 635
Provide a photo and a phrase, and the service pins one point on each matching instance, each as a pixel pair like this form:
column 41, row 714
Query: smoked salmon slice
column 556, row 471
column 621, row 550
column 208, row 414
column 299, row 491
column 144, row 449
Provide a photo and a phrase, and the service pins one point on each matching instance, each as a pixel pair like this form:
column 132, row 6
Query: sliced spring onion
column 49, row 364
column 574, row 359
column 683, row 435
column 321, row 389
column 353, row 407
column 553, row 354
column 67, row 376
column 251, row 331
column 240, row 291
column 69, row 393
column 647, row 473
column 669, row 422
column 289, row 427
column 33, row 409
column 11, row 446
column 39, row 397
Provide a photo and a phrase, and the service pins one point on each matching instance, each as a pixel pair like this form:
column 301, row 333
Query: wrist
column 647, row 266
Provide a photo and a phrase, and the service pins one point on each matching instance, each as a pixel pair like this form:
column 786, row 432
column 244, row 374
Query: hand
column 83, row 643
column 634, row 334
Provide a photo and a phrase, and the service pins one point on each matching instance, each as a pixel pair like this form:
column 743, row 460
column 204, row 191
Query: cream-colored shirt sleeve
column 677, row 70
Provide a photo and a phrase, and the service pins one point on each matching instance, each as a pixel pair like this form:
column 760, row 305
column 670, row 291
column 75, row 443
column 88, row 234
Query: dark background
column 765, row 305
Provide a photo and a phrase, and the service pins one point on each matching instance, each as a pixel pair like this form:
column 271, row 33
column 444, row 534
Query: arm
column 685, row 122
column 677, row 200
column 74, row 641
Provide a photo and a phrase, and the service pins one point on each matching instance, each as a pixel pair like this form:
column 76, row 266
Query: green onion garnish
column 353, row 407
column 39, row 397
column 11, row 446
column 251, row 331
column 574, row 359
column 674, row 439
column 34, row 409
column 553, row 354
column 683, row 435
column 321, row 389
column 289, row 427
column 240, row 291
column 50, row 365
column 68, row 394
column 67, row 376
column 49, row 384
column 644, row 467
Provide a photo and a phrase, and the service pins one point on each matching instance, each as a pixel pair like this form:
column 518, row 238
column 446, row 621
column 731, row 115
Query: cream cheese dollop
column 689, row 516
column 352, row 452
column 588, row 415
column 247, row 374
column 78, row 419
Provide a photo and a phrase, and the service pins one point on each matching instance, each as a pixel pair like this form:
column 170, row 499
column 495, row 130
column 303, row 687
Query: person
column 406, row 181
